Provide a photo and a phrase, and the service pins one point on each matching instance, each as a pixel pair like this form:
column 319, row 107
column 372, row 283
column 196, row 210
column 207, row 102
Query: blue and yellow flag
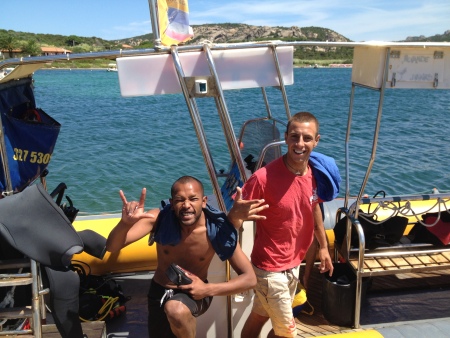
column 173, row 16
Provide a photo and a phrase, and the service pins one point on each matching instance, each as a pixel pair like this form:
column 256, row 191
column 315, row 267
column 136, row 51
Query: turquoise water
column 108, row 142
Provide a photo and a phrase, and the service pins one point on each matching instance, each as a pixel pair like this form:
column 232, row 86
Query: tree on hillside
column 9, row 43
column 146, row 44
column 31, row 48
column 83, row 48
column 73, row 40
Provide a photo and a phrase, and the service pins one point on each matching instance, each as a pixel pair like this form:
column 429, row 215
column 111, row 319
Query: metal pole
column 376, row 132
column 369, row 168
column 280, row 78
column 266, row 102
column 227, row 125
column 36, row 314
column 347, row 155
column 198, row 126
column 4, row 159
column 236, row 154
column 155, row 23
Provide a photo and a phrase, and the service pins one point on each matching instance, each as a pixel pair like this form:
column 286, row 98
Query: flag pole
column 155, row 23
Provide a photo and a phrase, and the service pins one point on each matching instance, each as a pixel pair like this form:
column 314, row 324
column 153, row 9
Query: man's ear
column 317, row 140
column 205, row 200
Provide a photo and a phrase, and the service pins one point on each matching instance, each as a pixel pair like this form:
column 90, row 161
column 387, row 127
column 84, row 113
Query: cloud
column 394, row 23
column 357, row 20
column 129, row 30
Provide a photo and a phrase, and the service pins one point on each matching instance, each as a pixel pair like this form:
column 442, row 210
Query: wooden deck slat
column 386, row 263
column 413, row 261
column 373, row 264
column 91, row 329
column 439, row 258
column 400, row 261
column 15, row 281
column 15, row 312
column 426, row 260
column 397, row 264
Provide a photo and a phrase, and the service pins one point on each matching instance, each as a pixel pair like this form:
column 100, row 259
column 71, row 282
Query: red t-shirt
column 441, row 229
column 281, row 241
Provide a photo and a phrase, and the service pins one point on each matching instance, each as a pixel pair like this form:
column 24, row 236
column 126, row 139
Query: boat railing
column 374, row 68
column 401, row 205
column 398, row 258
column 204, row 86
column 113, row 54
column 266, row 131
column 380, row 68
column 264, row 151
column 387, row 207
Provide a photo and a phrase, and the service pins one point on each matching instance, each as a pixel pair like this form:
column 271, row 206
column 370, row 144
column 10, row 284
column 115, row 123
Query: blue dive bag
column 29, row 133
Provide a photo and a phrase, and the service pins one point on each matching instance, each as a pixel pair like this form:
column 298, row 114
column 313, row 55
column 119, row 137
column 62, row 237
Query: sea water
column 108, row 142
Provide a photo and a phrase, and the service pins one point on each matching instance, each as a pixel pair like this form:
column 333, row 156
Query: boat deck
column 391, row 300
column 91, row 329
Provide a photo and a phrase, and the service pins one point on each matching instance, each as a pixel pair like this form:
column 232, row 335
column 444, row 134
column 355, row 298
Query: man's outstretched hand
column 133, row 211
column 245, row 210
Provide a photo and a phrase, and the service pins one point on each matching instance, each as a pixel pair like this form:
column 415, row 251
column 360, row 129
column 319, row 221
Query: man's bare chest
column 194, row 252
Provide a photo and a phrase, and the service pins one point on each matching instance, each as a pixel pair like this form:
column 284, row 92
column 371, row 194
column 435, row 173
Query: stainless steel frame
column 230, row 135
column 225, row 117
column 359, row 257
column 189, row 48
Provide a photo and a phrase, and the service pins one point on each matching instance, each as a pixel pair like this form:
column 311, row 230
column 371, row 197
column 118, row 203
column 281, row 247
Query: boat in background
column 204, row 72
column 5, row 72
column 112, row 67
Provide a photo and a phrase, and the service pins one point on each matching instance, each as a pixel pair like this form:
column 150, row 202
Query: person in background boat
column 188, row 232
column 292, row 221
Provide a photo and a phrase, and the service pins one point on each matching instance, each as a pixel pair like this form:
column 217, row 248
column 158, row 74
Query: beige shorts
column 275, row 292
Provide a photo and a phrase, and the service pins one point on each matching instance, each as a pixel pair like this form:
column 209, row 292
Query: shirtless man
column 182, row 232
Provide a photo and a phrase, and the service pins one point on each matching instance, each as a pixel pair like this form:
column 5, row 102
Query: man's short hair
column 184, row 180
column 303, row 117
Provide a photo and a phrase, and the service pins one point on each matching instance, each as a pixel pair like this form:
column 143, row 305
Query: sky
column 358, row 20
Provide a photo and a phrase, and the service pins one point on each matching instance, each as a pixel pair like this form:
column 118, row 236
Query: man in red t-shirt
column 282, row 239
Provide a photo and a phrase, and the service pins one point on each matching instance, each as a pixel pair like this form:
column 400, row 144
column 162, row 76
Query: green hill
column 24, row 44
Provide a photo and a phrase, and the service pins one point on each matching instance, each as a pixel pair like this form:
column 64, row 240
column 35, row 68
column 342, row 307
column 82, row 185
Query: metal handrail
column 199, row 47
column 376, row 132
column 5, row 164
column 264, row 150
column 198, row 126
column 225, row 117
column 280, row 78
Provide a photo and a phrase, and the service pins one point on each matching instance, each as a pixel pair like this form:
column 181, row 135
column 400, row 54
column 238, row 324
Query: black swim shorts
column 158, row 325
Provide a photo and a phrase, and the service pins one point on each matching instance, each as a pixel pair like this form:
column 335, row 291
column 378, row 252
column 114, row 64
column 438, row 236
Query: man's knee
column 285, row 330
column 177, row 312
column 253, row 325
column 258, row 319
